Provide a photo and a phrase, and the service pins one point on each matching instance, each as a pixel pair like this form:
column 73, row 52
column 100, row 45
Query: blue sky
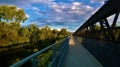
column 69, row 14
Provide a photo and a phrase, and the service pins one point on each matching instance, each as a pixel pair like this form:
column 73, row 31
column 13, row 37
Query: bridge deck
column 78, row 56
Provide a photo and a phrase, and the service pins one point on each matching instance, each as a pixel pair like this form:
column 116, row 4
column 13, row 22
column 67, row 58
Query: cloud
column 97, row 1
column 75, row 12
column 35, row 8
column 24, row 3
column 55, row 13
column 69, row 12
column 62, row 14
column 27, row 15
column 111, row 18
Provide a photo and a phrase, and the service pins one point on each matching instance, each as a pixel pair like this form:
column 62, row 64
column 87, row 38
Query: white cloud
column 69, row 12
column 27, row 16
column 76, row 3
column 97, row 1
column 88, row 8
column 111, row 18
column 52, row 28
column 57, row 11
column 25, row 2
column 35, row 8
column 56, row 7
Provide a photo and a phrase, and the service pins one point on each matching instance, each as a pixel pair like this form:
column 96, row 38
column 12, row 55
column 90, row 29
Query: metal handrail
column 18, row 64
column 33, row 56
column 59, row 58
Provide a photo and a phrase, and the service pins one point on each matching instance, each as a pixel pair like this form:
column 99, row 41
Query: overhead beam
column 108, row 9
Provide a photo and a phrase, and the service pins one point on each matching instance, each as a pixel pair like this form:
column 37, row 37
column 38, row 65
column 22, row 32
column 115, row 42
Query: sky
column 69, row 14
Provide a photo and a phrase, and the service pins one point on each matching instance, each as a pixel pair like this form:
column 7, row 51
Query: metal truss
column 106, row 31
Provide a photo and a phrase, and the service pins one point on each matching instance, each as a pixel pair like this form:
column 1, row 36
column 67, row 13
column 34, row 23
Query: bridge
column 95, row 44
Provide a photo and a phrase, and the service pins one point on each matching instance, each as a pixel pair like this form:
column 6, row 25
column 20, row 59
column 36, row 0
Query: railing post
column 34, row 62
column 54, row 55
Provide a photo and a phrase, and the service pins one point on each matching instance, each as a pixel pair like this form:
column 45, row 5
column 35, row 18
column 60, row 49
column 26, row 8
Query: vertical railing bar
column 34, row 62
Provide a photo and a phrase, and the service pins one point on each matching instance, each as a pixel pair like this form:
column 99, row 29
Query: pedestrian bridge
column 79, row 56
column 76, row 55
column 95, row 44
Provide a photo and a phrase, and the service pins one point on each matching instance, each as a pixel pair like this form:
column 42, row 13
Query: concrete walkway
column 78, row 56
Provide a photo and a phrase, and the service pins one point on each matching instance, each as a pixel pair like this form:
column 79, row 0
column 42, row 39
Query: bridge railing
column 55, row 59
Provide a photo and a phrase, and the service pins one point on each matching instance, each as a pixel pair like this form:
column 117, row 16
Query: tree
column 63, row 31
column 12, row 14
column 45, row 33
column 8, row 33
column 54, row 33
column 97, row 27
column 33, row 32
column 24, row 34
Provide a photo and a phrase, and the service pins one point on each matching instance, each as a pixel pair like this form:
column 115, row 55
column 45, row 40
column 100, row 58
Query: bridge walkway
column 78, row 56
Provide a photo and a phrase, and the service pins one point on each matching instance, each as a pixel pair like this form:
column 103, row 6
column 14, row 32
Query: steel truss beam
column 108, row 9
column 107, row 31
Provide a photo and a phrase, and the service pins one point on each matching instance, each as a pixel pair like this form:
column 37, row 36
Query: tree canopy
column 12, row 14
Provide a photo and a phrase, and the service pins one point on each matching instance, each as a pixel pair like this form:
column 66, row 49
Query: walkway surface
column 78, row 56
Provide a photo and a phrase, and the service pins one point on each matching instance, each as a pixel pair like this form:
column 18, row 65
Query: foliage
column 12, row 14
column 14, row 37
column 12, row 33
column 44, row 58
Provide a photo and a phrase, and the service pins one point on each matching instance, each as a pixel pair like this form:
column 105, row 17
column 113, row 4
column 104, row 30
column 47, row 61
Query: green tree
column 63, row 31
column 33, row 31
column 12, row 14
column 8, row 33
column 24, row 34
column 54, row 33
column 97, row 27
column 45, row 32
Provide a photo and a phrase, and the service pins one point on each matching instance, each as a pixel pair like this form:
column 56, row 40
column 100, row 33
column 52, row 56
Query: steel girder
column 106, row 31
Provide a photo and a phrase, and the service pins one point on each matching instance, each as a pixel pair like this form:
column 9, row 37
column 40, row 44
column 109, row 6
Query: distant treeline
column 12, row 33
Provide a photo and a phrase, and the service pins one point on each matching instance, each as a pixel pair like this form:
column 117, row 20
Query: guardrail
column 57, row 58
